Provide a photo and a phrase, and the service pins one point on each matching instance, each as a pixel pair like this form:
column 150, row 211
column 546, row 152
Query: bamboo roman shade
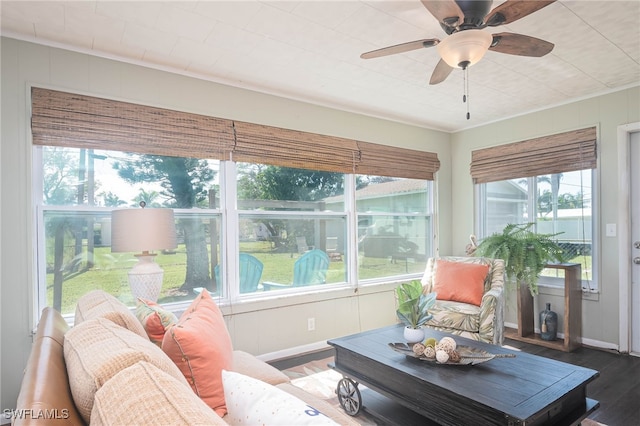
column 67, row 119
column 384, row 160
column 79, row 121
column 559, row 153
column 257, row 143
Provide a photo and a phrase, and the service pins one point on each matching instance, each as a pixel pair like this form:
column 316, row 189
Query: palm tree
column 148, row 197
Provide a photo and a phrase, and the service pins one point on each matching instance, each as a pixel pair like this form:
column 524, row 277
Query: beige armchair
column 485, row 322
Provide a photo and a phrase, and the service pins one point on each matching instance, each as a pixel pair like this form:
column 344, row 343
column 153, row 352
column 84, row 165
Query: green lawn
column 109, row 273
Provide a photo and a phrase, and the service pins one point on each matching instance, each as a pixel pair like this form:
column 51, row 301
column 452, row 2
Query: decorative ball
column 430, row 342
column 442, row 356
column 445, row 345
column 430, row 352
column 449, row 342
column 418, row 349
column 454, row 356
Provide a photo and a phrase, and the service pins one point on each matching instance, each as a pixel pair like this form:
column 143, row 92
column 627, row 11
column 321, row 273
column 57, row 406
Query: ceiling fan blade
column 446, row 12
column 401, row 48
column 512, row 10
column 518, row 44
column 441, row 72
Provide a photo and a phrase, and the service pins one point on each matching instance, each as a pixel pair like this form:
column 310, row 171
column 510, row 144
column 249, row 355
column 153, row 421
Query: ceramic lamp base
column 145, row 278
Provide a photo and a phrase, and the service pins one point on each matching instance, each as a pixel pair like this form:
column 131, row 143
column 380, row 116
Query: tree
column 184, row 182
column 112, row 200
column 60, row 173
column 284, row 183
column 60, row 187
column 149, row 197
column 266, row 182
column 571, row 201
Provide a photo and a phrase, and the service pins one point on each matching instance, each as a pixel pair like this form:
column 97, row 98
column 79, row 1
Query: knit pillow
column 142, row 394
column 200, row 346
column 97, row 349
column 100, row 304
column 459, row 281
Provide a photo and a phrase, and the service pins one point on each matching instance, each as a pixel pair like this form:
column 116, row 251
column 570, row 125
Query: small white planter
column 413, row 335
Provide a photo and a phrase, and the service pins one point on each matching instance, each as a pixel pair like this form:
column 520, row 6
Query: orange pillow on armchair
column 459, row 281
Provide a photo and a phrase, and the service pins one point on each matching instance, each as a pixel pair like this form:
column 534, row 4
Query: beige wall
column 600, row 312
column 257, row 327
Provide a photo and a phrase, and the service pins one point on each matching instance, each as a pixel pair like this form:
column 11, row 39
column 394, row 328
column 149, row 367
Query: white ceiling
column 309, row 50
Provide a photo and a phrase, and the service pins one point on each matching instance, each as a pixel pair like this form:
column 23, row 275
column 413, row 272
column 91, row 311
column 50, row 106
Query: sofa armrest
column 248, row 365
column 45, row 386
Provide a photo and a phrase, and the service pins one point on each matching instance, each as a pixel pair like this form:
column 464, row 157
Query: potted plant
column 413, row 309
column 525, row 254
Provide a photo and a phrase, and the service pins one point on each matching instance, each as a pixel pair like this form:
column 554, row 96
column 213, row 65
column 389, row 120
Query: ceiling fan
column 466, row 44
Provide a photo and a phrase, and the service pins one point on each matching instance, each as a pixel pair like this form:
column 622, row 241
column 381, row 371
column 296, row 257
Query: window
column 282, row 214
column 394, row 226
column 557, row 203
column 80, row 187
column 253, row 204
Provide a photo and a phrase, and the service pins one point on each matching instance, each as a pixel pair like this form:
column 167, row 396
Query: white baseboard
column 600, row 345
column 318, row 346
column 585, row 341
column 295, row 351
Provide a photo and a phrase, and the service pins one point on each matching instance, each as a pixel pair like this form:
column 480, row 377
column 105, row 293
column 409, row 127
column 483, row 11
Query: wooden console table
column 572, row 312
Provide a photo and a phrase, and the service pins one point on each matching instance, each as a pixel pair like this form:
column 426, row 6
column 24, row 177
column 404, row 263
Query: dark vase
column 548, row 324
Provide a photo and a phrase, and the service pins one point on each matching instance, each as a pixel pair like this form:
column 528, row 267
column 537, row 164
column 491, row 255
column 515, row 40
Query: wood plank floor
column 617, row 388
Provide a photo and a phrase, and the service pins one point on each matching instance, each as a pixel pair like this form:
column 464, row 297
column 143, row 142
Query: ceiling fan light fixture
column 464, row 48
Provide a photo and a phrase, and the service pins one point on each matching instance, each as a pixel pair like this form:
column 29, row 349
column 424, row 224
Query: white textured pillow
column 251, row 402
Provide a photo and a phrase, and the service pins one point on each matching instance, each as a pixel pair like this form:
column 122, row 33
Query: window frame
column 590, row 286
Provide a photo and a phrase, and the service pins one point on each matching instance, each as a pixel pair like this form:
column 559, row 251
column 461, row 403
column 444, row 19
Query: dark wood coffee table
column 526, row 389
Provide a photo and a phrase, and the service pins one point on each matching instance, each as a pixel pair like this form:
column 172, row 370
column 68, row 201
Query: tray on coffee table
column 468, row 355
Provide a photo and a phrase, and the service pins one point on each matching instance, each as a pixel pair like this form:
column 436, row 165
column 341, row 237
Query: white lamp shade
column 464, row 46
column 139, row 230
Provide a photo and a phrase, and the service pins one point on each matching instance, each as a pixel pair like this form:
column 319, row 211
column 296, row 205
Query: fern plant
column 413, row 304
column 525, row 253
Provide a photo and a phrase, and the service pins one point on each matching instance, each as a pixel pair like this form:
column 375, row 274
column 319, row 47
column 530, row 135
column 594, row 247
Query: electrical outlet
column 311, row 324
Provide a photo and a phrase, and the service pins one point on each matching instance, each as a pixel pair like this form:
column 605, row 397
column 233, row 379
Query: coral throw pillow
column 155, row 319
column 200, row 346
column 460, row 282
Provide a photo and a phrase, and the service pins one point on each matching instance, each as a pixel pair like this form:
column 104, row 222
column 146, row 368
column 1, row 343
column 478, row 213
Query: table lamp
column 143, row 230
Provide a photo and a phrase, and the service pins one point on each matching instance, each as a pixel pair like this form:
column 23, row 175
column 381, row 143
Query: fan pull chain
column 465, row 96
